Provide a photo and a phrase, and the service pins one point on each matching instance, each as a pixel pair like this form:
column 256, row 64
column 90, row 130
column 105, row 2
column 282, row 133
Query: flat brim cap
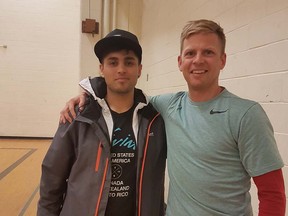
column 120, row 39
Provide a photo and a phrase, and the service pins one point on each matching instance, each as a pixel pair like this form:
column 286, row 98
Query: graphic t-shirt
column 122, row 196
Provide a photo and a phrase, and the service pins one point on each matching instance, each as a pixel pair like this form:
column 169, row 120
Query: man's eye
column 190, row 53
column 113, row 63
column 130, row 63
column 209, row 52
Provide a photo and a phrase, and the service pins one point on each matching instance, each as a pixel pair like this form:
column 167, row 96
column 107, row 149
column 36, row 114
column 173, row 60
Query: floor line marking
column 27, row 204
column 15, row 164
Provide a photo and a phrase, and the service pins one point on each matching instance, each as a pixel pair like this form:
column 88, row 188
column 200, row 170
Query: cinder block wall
column 40, row 66
column 257, row 43
column 46, row 56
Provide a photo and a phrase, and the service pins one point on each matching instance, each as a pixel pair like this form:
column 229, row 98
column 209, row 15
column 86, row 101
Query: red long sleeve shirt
column 271, row 193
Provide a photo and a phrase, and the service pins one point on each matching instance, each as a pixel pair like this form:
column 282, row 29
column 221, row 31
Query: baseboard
column 24, row 137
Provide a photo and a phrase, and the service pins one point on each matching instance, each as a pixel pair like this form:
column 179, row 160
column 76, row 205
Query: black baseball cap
column 117, row 40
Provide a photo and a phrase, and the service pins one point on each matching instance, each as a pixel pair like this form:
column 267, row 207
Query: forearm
column 271, row 193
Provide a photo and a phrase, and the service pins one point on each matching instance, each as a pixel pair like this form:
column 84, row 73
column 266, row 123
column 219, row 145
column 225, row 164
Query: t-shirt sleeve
column 161, row 102
column 257, row 146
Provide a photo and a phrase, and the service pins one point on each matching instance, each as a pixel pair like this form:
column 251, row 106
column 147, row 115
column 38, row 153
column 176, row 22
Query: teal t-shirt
column 214, row 148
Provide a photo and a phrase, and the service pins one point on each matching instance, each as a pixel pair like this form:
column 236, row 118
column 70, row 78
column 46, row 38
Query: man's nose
column 121, row 68
column 198, row 58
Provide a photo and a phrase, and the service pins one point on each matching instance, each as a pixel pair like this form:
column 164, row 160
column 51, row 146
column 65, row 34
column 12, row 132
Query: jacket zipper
column 99, row 152
column 98, row 159
column 102, row 186
column 143, row 164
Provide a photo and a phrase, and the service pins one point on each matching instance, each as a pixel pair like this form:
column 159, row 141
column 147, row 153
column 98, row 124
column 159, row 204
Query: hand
column 68, row 112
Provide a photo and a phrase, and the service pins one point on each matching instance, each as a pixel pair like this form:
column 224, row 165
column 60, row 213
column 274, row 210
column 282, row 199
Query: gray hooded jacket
column 76, row 171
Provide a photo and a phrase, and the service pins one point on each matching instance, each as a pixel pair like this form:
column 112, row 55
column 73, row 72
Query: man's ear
column 223, row 60
column 139, row 70
column 179, row 62
column 101, row 70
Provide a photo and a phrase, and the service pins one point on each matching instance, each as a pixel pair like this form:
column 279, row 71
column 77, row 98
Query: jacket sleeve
column 56, row 167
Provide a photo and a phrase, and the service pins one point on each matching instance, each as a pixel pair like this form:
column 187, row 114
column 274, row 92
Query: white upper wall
column 40, row 66
column 47, row 55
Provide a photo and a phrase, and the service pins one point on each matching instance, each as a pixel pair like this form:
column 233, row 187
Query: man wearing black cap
column 111, row 159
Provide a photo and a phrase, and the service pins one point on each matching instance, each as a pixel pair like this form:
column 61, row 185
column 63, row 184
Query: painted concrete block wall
column 89, row 65
column 127, row 16
column 39, row 69
column 46, row 56
column 257, row 43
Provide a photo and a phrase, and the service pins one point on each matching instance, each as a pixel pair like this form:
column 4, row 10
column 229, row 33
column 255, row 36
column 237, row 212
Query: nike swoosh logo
column 217, row 112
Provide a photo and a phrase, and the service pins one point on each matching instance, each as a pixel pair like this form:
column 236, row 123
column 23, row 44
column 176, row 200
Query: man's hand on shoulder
column 68, row 112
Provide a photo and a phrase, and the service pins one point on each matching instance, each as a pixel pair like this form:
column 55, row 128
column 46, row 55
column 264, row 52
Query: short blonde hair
column 202, row 26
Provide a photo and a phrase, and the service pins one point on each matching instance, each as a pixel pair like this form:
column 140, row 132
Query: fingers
column 71, row 110
column 64, row 115
column 68, row 117
column 82, row 100
column 68, row 112
column 62, row 120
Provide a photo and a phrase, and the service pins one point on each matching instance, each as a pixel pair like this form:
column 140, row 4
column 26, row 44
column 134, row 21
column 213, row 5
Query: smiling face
column 201, row 60
column 121, row 70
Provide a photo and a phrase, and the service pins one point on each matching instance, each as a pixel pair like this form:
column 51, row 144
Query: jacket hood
column 97, row 88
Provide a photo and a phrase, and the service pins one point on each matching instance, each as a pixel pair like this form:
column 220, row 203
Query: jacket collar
column 98, row 89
